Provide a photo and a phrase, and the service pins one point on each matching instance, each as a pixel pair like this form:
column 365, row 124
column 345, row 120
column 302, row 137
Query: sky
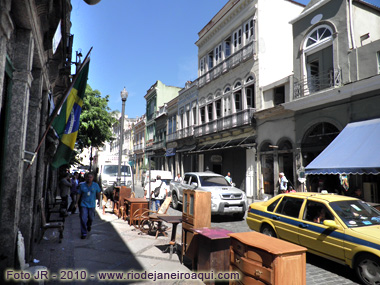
column 137, row 42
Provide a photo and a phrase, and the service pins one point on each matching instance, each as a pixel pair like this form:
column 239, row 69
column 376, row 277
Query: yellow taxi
column 340, row 228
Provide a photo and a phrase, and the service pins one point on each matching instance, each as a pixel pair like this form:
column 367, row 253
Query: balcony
column 138, row 147
column 314, row 84
column 171, row 137
column 159, row 145
column 238, row 119
column 232, row 61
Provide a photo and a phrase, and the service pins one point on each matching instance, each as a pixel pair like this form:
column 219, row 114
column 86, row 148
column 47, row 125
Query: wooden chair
column 49, row 225
column 54, row 206
column 149, row 223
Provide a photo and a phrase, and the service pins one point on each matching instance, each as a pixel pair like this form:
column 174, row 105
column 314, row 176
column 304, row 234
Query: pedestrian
column 358, row 193
column 160, row 194
column 74, row 192
column 108, row 195
column 282, row 183
column 228, row 178
column 178, row 178
column 88, row 192
column 65, row 186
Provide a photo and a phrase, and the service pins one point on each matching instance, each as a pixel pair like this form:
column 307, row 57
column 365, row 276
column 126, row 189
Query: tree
column 95, row 120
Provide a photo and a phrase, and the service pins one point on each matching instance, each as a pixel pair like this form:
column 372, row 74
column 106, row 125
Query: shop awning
column 186, row 148
column 356, row 150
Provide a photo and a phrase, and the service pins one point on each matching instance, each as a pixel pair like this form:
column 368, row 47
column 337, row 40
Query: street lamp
column 124, row 96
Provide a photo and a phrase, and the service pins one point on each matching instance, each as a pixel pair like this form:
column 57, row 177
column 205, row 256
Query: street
column 318, row 270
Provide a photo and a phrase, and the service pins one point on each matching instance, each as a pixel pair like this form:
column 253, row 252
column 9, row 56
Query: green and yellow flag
column 66, row 124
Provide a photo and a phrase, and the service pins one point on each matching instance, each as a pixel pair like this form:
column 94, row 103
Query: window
column 210, row 60
column 218, row 107
column 279, row 95
column 238, row 100
column 319, row 59
column 170, row 126
column 248, row 31
column 202, row 67
column 319, row 35
column 209, row 112
column 203, row 115
column 290, row 207
column 218, row 54
column 272, row 206
column 378, row 62
column 227, row 47
column 237, row 39
column 194, row 110
column 316, row 212
column 250, row 97
column 228, row 89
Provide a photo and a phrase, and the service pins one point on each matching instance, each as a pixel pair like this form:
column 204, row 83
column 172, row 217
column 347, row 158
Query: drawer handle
column 258, row 272
column 237, row 260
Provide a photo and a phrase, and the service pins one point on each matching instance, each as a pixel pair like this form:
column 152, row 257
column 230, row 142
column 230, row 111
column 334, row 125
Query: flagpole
column 57, row 108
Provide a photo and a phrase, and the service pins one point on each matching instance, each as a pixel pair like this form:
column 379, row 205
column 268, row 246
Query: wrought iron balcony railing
column 232, row 61
column 313, row 84
column 237, row 119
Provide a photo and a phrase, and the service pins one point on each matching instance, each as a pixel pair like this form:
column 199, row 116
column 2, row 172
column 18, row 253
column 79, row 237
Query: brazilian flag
column 66, row 124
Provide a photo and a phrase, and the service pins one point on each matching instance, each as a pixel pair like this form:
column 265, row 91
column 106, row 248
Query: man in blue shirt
column 88, row 192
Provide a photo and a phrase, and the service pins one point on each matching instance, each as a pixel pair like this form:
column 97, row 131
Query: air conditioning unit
column 370, row 192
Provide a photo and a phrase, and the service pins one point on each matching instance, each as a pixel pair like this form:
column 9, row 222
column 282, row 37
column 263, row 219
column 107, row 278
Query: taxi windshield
column 356, row 213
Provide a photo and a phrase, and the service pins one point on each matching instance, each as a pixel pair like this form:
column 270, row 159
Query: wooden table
column 213, row 250
column 174, row 220
column 133, row 205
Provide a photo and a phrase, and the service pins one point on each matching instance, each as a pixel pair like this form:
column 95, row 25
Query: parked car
column 225, row 198
column 340, row 228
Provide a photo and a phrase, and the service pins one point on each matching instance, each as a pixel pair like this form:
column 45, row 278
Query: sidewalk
column 111, row 246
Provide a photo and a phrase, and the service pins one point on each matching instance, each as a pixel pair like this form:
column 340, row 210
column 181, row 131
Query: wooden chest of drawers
column 261, row 259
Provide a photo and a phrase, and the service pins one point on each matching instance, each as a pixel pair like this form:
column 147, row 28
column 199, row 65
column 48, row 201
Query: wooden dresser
column 196, row 213
column 261, row 259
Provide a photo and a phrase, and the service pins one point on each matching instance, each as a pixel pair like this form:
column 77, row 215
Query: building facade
column 238, row 53
column 336, row 81
column 157, row 95
column 35, row 69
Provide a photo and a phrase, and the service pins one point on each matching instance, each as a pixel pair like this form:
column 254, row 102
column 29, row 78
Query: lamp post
column 124, row 96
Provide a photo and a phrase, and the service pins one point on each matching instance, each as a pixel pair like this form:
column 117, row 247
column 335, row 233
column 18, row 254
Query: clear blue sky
column 136, row 42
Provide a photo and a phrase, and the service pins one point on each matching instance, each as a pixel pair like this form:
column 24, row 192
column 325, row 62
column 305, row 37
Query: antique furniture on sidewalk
column 263, row 259
column 119, row 195
column 175, row 220
column 134, row 208
column 149, row 223
column 196, row 213
column 213, row 250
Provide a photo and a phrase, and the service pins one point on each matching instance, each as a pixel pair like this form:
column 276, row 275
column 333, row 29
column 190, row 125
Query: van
column 166, row 176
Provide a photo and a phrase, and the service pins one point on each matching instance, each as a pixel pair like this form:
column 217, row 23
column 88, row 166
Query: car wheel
column 268, row 230
column 367, row 268
column 239, row 216
column 174, row 201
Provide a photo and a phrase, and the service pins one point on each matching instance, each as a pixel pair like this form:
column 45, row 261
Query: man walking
column 282, row 183
column 87, row 194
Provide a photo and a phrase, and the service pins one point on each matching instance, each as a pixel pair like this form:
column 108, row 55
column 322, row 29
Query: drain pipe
column 352, row 36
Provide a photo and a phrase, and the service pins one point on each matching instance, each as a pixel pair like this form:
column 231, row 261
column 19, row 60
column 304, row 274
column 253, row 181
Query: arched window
column 319, row 59
column 249, row 79
column 228, row 89
column 237, row 85
column 318, row 36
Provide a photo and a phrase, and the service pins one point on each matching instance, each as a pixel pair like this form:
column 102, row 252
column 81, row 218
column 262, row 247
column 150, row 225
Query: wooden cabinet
column 135, row 207
column 261, row 259
column 196, row 214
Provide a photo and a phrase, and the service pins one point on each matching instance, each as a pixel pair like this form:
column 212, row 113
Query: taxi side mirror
column 330, row 224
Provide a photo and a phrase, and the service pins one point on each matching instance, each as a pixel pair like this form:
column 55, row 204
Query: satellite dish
column 92, row 2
